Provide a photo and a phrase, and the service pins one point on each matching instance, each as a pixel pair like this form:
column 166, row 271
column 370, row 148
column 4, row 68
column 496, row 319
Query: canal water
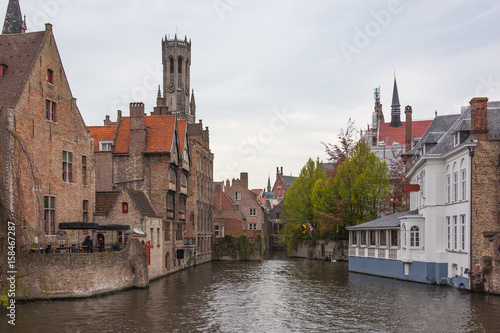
column 295, row 295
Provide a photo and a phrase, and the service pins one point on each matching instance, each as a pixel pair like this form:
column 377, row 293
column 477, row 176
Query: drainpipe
column 471, row 155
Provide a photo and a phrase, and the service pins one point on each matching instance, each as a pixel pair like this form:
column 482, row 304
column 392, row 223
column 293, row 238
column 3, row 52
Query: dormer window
column 3, row 68
column 124, row 207
column 50, row 76
column 105, row 145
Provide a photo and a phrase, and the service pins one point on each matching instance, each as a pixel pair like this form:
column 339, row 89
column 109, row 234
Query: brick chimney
column 107, row 120
column 244, row 179
column 408, row 114
column 479, row 118
column 137, row 128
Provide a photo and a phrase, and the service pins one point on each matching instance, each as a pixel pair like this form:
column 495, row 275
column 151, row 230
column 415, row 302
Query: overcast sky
column 274, row 79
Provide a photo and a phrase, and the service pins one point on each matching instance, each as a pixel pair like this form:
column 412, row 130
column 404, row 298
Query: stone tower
column 176, row 58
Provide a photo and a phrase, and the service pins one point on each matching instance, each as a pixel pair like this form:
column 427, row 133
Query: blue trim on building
column 425, row 272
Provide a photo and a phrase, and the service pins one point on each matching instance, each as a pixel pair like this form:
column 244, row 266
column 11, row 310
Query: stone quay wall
column 70, row 275
column 322, row 250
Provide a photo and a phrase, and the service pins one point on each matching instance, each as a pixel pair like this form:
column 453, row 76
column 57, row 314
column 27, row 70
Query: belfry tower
column 176, row 58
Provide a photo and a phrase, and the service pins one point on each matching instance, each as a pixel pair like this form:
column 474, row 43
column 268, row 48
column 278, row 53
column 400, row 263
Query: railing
column 393, row 253
column 381, row 253
column 371, row 252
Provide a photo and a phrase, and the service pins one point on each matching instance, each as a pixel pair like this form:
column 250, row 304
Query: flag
column 310, row 230
column 303, row 227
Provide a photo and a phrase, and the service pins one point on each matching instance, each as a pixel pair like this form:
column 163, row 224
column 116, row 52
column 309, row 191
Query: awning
column 78, row 225
column 135, row 231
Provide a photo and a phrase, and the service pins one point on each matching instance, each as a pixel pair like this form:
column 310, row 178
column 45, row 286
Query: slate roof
column 13, row 23
column 288, row 180
column 159, row 137
column 387, row 222
column 102, row 133
column 17, row 52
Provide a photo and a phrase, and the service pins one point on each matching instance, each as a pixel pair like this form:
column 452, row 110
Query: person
column 87, row 243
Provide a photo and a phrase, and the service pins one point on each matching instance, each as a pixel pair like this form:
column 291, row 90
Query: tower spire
column 395, row 107
column 14, row 23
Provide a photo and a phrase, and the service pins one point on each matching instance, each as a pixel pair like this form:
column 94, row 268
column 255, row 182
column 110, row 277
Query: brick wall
column 485, row 217
column 82, row 274
column 337, row 250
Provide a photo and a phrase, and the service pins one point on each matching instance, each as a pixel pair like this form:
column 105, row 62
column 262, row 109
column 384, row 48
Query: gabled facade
column 450, row 230
column 281, row 184
column 47, row 155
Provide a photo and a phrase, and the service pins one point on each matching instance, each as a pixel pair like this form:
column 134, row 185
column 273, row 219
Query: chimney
column 408, row 114
column 107, row 121
column 282, row 171
column 137, row 128
column 244, row 179
column 479, row 118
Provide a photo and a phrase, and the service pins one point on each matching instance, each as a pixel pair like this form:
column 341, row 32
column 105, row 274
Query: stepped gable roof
column 391, row 135
column 102, row 133
column 142, row 203
column 18, row 53
column 159, row 137
column 386, row 222
column 104, row 201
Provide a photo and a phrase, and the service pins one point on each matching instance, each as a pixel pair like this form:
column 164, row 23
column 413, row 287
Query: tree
column 298, row 207
column 361, row 185
column 339, row 152
column 398, row 201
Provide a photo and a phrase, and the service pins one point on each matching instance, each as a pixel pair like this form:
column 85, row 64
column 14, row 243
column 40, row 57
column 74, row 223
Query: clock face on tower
column 170, row 88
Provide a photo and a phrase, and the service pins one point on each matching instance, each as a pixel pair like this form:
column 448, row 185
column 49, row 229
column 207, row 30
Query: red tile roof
column 104, row 201
column 390, row 135
column 102, row 133
column 159, row 137
column 17, row 52
column 182, row 128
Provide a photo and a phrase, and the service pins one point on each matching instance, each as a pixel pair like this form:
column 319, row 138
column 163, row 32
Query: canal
column 295, row 295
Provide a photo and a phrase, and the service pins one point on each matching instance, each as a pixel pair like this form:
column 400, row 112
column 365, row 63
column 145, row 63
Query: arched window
column 171, row 65
column 414, row 236
column 179, row 65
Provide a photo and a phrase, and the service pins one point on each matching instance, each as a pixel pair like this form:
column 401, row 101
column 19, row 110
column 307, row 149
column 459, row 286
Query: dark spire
column 14, row 23
column 269, row 183
column 395, row 107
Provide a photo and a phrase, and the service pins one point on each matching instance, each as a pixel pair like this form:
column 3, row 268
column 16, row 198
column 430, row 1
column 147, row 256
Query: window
column 170, row 202
column 166, row 227
column 50, row 110
column 171, row 65
column 178, row 231
column 179, row 65
column 373, row 237
column 158, row 237
column 252, row 226
column 362, row 238
column 2, row 69
column 85, row 217
column 463, row 175
column 50, row 76
column 84, row 170
column 414, row 237
column 183, row 180
column 182, row 204
column 237, row 196
column 462, row 233
column 124, row 207
column 217, row 230
column 455, row 186
column 67, row 166
column 171, row 175
column 448, row 188
column 152, row 236
column 383, row 238
column 49, row 216
column 448, row 231
column 105, row 145
column 354, row 238
column 179, row 84
column 394, row 238
column 253, row 212
column 455, row 233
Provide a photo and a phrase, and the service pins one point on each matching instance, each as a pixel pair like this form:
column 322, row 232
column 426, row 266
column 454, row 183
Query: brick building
column 485, row 194
column 238, row 210
column 47, row 169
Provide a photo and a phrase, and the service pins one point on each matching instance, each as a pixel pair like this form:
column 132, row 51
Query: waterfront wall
column 231, row 248
column 68, row 275
column 322, row 250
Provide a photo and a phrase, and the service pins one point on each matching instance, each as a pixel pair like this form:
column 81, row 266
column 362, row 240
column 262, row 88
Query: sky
column 275, row 79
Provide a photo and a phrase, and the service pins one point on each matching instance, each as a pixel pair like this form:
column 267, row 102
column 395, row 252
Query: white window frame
column 252, row 212
column 414, row 236
column 463, row 183
column 237, row 196
column 463, row 233
column 103, row 144
column 448, row 231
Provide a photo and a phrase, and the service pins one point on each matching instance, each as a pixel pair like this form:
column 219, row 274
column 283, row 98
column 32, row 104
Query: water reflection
column 268, row 296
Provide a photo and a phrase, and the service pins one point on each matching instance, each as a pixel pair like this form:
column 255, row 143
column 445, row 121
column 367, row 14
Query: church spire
column 14, row 23
column 395, row 107
column 269, row 183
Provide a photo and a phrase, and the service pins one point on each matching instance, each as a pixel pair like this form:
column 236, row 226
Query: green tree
column 361, row 185
column 298, row 206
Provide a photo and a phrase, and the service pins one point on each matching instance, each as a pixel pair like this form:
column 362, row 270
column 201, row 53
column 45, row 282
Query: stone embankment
column 322, row 250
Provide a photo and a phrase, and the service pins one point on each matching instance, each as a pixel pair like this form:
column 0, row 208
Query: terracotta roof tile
column 102, row 133
column 142, row 203
column 182, row 128
column 17, row 52
column 390, row 135
column 159, row 137
column 104, row 201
